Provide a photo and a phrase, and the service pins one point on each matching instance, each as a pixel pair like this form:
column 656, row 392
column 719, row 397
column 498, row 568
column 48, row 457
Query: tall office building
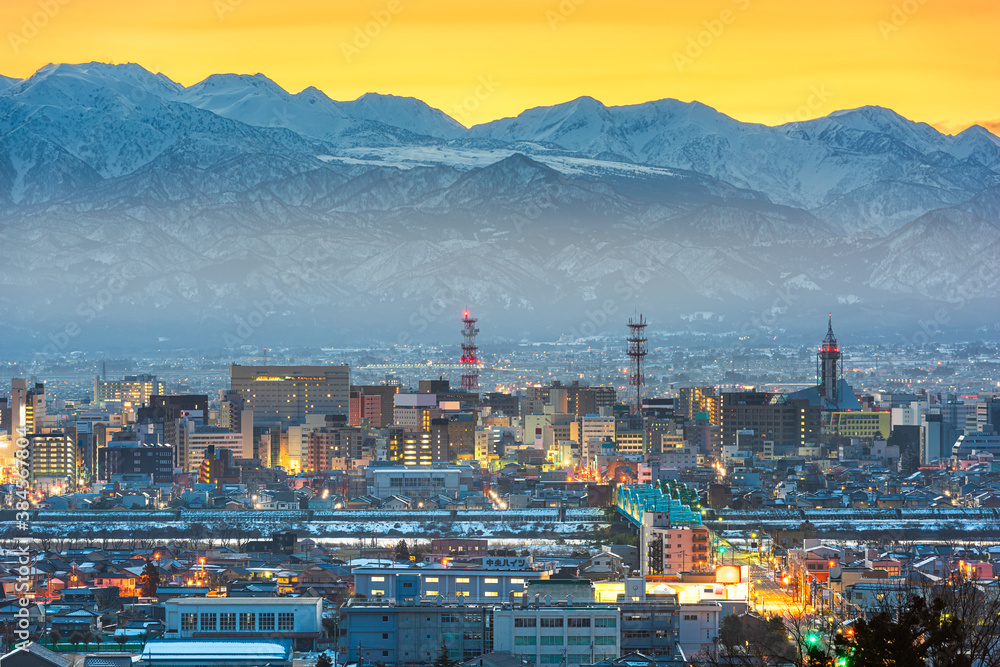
column 772, row 417
column 131, row 457
column 194, row 439
column 286, row 395
column 5, row 415
column 135, row 390
column 414, row 412
column 27, row 406
column 18, row 396
column 589, row 400
column 167, row 413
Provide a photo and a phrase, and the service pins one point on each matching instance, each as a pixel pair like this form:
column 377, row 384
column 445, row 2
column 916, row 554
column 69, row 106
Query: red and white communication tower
column 470, row 356
column 637, row 355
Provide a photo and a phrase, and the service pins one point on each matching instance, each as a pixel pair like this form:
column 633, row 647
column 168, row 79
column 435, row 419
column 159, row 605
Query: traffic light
column 722, row 550
column 812, row 639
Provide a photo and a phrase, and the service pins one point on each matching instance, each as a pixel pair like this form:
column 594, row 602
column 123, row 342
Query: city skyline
column 588, row 333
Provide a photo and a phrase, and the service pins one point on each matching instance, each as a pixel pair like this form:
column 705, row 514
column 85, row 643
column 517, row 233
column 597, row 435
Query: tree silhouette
column 149, row 580
column 443, row 660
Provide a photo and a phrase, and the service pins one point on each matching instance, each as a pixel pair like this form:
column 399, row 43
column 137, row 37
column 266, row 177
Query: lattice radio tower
column 637, row 354
column 470, row 356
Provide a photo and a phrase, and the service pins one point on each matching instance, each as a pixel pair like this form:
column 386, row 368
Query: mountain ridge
column 225, row 192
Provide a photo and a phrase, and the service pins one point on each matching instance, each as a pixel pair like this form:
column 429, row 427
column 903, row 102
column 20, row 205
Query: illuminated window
column 491, row 580
column 431, row 580
column 374, row 579
column 462, row 580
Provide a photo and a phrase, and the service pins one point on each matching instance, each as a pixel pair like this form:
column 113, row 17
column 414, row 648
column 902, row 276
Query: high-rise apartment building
column 386, row 395
column 27, row 406
column 413, row 448
column 52, row 460
column 332, row 448
column 285, row 395
column 693, row 400
column 366, row 409
column 595, row 429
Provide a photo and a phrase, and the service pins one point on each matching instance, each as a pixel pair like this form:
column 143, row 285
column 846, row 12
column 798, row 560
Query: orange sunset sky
column 758, row 60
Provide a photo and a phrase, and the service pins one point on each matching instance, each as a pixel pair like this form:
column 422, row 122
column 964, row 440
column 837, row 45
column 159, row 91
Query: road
column 769, row 598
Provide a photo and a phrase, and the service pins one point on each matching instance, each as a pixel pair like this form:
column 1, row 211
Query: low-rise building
column 566, row 634
column 472, row 585
column 297, row 619
column 412, row 634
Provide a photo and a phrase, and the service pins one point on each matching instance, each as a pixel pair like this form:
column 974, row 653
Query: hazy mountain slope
column 177, row 210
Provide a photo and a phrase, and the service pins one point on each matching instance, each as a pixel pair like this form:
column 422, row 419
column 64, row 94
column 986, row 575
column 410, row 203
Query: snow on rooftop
column 167, row 649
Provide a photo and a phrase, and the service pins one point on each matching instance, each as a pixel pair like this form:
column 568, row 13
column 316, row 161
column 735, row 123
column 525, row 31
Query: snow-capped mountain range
column 241, row 212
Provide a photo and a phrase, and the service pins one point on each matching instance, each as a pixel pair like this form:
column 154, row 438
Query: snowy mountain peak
column 239, row 81
column 129, row 79
column 880, row 120
column 408, row 113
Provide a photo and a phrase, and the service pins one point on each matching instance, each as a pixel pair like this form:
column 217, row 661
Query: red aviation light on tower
column 470, row 353
column 829, row 367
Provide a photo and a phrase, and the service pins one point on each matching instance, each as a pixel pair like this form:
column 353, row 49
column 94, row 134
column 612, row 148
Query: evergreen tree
column 402, row 551
column 443, row 660
column 324, row 661
column 149, row 580
column 918, row 634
